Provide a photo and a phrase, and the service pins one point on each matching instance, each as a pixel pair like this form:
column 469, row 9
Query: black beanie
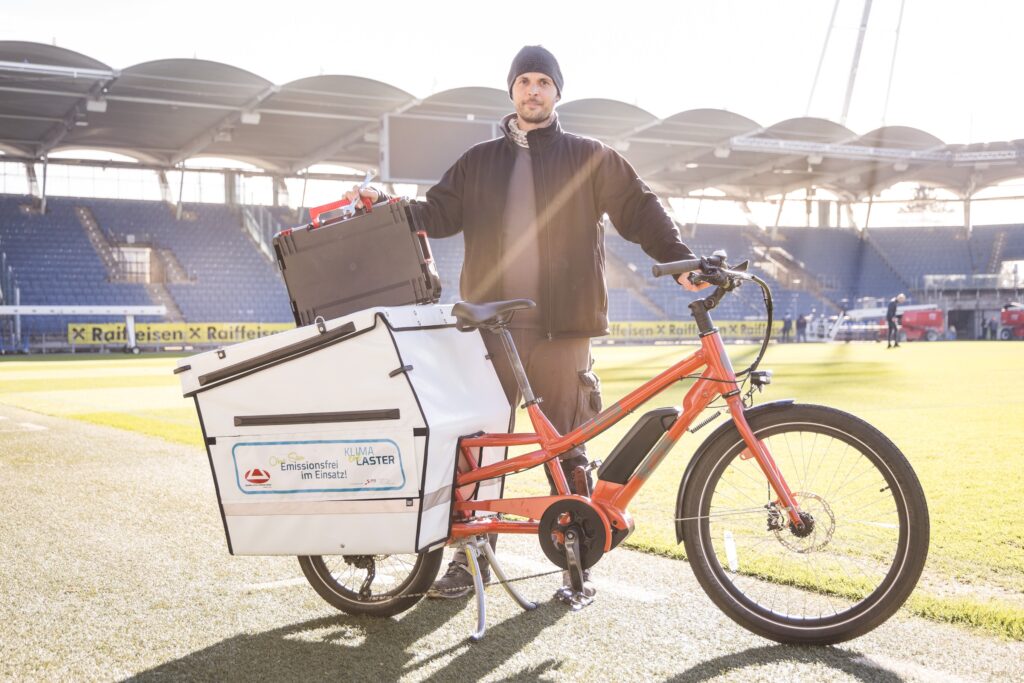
column 535, row 59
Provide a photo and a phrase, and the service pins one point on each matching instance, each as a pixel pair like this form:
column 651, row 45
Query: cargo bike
column 803, row 523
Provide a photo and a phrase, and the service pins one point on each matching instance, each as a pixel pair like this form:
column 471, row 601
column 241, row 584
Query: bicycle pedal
column 575, row 600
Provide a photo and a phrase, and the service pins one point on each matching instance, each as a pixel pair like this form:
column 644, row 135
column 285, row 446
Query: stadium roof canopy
column 165, row 111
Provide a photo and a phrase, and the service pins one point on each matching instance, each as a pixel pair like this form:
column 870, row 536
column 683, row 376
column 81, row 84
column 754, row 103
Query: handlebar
column 675, row 267
column 714, row 270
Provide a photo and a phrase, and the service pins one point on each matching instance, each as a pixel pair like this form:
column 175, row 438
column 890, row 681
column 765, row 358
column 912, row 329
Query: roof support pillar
column 967, row 216
column 280, row 191
column 42, row 197
column 181, row 192
column 305, row 183
column 231, row 188
column 850, row 217
column 33, row 180
column 165, row 187
column 778, row 217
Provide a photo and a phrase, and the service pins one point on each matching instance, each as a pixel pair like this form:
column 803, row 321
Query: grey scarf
column 519, row 136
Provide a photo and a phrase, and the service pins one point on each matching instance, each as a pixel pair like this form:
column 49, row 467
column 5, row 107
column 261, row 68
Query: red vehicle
column 1011, row 321
column 923, row 322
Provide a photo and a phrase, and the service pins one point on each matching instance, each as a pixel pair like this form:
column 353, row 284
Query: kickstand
column 574, row 594
column 475, row 547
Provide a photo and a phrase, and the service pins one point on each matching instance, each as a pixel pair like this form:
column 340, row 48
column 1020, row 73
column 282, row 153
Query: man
column 530, row 207
column 801, row 328
column 787, row 327
column 893, row 337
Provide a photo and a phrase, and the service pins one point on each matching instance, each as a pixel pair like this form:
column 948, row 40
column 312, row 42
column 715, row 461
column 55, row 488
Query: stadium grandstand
column 161, row 184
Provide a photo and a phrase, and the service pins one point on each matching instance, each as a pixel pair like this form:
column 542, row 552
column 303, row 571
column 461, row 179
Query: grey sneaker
column 457, row 581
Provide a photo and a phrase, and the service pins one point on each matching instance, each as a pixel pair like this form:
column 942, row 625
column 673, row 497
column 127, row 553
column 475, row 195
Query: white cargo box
column 342, row 438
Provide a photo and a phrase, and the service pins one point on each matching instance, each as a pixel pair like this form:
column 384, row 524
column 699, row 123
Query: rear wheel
column 853, row 562
column 376, row 585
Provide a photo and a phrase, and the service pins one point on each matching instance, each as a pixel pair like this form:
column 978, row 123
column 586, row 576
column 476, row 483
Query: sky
column 955, row 76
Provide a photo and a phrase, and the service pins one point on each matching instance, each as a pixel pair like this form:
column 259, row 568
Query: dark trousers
column 894, row 332
column 559, row 372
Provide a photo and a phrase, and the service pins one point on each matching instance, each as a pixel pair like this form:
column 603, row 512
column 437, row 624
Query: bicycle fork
column 719, row 366
column 757, row 450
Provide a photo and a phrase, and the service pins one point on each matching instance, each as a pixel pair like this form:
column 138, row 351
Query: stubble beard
column 541, row 116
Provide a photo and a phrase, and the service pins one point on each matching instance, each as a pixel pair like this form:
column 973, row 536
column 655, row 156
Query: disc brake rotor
column 819, row 525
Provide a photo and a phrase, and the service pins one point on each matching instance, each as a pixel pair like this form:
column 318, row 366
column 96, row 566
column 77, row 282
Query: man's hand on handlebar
column 682, row 279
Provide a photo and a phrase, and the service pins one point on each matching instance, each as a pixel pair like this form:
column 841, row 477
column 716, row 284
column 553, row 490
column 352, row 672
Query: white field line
column 26, row 427
column 269, row 585
column 384, row 579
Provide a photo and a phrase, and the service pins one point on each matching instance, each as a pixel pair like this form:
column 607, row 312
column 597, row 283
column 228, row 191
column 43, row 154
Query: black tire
column 863, row 554
column 338, row 579
column 931, row 335
column 1005, row 334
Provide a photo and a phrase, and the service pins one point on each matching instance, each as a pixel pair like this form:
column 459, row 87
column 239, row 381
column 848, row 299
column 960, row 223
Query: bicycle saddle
column 489, row 314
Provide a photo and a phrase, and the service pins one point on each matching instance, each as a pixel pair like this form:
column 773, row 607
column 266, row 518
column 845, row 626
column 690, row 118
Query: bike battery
column 619, row 466
column 374, row 259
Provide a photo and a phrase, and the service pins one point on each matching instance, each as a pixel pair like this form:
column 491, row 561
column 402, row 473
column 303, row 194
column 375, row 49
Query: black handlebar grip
column 675, row 267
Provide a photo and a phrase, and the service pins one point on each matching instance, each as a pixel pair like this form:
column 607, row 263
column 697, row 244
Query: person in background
column 893, row 336
column 801, row 328
column 993, row 328
column 787, row 327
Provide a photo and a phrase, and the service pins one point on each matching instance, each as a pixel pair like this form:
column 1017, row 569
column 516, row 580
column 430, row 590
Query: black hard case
column 374, row 259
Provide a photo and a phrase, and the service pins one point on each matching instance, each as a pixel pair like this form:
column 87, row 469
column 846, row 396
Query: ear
column 558, row 97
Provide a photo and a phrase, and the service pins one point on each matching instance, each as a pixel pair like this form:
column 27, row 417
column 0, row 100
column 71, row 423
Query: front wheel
column 847, row 568
column 376, row 585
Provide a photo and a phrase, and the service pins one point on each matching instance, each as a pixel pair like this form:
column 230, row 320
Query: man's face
column 534, row 95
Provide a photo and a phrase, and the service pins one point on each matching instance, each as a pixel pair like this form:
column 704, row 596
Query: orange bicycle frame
column 717, row 380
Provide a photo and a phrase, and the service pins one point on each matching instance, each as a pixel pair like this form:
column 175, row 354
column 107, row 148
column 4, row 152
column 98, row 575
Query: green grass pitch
column 955, row 409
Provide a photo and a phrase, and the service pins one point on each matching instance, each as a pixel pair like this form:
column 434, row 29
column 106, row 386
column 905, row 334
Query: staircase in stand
column 997, row 252
column 160, row 296
column 163, row 265
column 99, row 242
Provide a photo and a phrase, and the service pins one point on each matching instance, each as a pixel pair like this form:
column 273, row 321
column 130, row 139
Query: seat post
column 517, row 364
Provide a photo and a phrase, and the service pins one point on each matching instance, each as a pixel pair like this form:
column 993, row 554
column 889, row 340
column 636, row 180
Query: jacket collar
column 539, row 138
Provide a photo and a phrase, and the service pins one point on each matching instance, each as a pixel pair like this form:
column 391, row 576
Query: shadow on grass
column 849, row 662
column 351, row 648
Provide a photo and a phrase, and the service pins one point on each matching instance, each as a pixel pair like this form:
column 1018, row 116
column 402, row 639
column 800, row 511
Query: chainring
column 565, row 514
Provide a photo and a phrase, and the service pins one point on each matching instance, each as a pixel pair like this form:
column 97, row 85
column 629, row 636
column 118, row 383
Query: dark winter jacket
column 576, row 180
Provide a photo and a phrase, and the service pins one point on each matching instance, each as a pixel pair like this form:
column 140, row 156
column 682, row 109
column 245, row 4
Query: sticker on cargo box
column 318, row 466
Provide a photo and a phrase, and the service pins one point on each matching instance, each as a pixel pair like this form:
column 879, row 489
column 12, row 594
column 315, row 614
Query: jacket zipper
column 539, row 204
